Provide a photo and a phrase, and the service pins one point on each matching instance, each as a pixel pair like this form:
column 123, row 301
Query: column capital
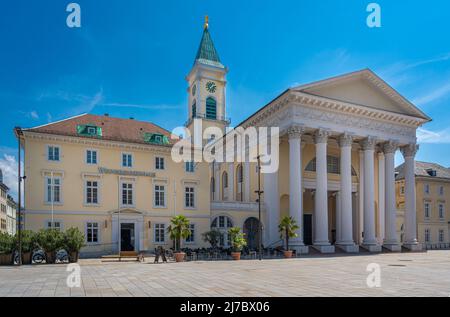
column 321, row 136
column 295, row 131
column 409, row 150
column 345, row 140
column 390, row 147
column 368, row 143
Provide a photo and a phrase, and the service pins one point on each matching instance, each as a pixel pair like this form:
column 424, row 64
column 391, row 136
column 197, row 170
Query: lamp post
column 259, row 192
column 20, row 178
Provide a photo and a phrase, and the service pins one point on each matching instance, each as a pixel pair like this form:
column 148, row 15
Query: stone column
column 272, row 202
column 381, row 196
column 246, row 190
column 345, row 225
column 231, row 182
column 321, row 241
column 390, row 237
column 369, row 242
column 409, row 152
column 296, row 185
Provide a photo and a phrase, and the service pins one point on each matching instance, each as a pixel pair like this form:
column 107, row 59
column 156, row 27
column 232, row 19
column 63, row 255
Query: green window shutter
column 89, row 130
column 156, row 138
column 211, row 108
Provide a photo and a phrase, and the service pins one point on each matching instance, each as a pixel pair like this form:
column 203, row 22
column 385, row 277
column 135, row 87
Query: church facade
column 115, row 178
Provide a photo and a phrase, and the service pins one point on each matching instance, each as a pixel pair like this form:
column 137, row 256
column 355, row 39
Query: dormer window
column 431, row 172
column 156, row 138
column 89, row 130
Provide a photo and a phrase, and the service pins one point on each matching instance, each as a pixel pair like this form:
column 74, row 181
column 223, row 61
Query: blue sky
column 130, row 58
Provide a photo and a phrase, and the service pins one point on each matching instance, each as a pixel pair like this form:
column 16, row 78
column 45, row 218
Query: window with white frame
column 441, row 190
column 160, row 232
column 53, row 190
column 427, row 210
column 189, row 167
column 127, row 194
column 53, row 153
column 402, row 190
column 222, row 224
column 159, row 163
column 427, row 235
column 56, row 225
column 91, row 192
column 191, row 238
column 441, row 235
column 92, row 232
column 427, row 188
column 441, row 211
column 189, row 197
column 127, row 160
column 160, row 196
column 91, row 157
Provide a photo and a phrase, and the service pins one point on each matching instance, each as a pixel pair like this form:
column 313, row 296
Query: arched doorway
column 251, row 227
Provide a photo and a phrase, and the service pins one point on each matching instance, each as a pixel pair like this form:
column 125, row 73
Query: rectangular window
column 159, row 232
column 427, row 235
column 127, row 160
column 189, row 197
column 402, row 190
column 56, row 225
column 159, row 163
column 441, row 211
column 160, row 196
column 427, row 210
column 441, row 190
column 91, row 192
column 427, row 188
column 53, row 190
column 92, row 130
column 441, row 235
column 189, row 167
column 3, row 224
column 92, row 232
column 91, row 157
column 53, row 153
column 191, row 238
column 127, row 194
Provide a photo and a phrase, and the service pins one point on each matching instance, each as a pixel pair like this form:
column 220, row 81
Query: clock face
column 211, row 87
column 194, row 89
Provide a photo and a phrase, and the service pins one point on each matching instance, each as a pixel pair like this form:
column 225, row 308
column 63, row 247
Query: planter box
column 6, row 259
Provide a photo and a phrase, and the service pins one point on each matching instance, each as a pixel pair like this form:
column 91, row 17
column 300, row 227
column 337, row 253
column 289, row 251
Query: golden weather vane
column 206, row 21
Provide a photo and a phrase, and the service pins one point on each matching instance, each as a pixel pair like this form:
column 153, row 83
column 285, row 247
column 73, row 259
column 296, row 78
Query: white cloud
column 434, row 95
column 34, row 115
column 432, row 137
column 8, row 165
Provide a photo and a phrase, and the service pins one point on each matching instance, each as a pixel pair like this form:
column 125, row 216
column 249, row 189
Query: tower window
column 211, row 108
column 194, row 109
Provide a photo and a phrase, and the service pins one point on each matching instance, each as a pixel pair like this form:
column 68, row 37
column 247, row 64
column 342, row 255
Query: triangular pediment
column 363, row 88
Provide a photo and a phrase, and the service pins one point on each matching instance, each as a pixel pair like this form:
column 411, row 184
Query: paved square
column 405, row 274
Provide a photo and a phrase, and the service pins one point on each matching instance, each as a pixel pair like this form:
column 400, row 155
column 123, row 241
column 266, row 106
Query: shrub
column 237, row 239
column 6, row 243
column 287, row 228
column 73, row 240
column 28, row 241
column 50, row 240
column 179, row 229
column 212, row 237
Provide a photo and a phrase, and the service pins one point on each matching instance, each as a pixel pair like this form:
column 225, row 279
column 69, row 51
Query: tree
column 178, row 229
column 237, row 239
column 212, row 237
column 287, row 228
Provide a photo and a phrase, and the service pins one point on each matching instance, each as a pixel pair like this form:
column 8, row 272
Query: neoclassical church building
column 115, row 179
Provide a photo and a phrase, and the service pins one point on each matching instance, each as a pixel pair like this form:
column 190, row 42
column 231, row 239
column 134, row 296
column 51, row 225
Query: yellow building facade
column 117, row 181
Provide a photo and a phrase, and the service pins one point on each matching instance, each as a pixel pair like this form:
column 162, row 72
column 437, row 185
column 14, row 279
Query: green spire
column 207, row 53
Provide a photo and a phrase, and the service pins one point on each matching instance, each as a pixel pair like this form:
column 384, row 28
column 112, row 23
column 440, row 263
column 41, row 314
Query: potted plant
column 287, row 228
column 238, row 242
column 28, row 242
column 73, row 242
column 212, row 237
column 50, row 240
column 178, row 229
column 6, row 248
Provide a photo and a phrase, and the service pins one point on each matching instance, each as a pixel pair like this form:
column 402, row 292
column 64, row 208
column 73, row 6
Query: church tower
column 207, row 82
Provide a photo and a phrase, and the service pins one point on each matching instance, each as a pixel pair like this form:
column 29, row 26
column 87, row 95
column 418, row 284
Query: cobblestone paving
column 405, row 274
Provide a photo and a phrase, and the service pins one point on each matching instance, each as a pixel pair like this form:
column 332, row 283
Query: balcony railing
column 236, row 205
column 204, row 116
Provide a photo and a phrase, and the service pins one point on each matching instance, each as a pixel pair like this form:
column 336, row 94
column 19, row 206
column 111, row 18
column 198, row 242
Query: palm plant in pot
column 6, row 248
column 73, row 242
column 50, row 240
column 178, row 229
column 238, row 242
column 287, row 228
column 28, row 241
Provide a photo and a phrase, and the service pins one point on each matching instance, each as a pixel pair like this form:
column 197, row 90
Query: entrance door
column 307, row 229
column 127, row 237
column 251, row 229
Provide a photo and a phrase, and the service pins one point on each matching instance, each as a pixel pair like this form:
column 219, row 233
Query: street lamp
column 19, row 134
column 259, row 192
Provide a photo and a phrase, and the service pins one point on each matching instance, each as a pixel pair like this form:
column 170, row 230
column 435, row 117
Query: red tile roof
column 113, row 129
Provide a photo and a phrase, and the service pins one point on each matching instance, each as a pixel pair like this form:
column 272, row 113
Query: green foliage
column 6, row 243
column 73, row 240
column 28, row 240
column 237, row 239
column 212, row 237
column 50, row 240
column 287, row 228
column 179, row 229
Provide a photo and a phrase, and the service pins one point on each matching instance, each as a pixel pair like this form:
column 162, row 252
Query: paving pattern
column 405, row 274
